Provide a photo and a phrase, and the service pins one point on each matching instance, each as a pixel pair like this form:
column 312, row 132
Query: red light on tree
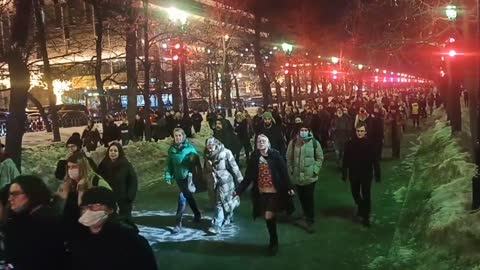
column 175, row 58
column 286, row 72
column 177, row 46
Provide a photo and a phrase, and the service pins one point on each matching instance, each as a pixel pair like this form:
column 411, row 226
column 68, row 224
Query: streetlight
column 335, row 60
column 177, row 16
column 287, row 48
column 360, row 66
column 180, row 17
column 451, row 12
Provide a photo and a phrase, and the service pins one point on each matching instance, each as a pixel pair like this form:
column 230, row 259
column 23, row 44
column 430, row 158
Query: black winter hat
column 99, row 195
column 75, row 140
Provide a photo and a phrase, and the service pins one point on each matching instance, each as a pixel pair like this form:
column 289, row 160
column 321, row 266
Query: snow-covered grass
column 436, row 229
column 148, row 158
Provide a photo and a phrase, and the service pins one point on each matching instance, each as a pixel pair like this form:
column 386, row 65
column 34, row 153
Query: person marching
column 221, row 167
column 272, row 190
column 121, row 176
column 183, row 161
column 304, row 160
column 360, row 165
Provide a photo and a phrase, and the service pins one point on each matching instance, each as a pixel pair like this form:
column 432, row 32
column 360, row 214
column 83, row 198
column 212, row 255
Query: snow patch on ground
column 164, row 234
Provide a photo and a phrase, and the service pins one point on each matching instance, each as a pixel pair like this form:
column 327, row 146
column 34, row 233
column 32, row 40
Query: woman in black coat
column 272, row 190
column 121, row 176
column 33, row 231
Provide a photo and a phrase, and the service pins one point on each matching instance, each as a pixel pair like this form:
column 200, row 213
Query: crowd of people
column 87, row 223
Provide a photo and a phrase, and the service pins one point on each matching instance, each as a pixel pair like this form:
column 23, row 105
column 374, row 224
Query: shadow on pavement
column 215, row 248
column 347, row 213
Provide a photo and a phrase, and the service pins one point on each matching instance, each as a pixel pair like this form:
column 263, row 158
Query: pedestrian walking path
column 338, row 243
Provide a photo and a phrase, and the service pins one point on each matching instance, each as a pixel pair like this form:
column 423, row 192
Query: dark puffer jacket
column 34, row 240
column 117, row 246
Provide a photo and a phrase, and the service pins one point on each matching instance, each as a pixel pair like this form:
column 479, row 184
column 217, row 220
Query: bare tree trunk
column 146, row 65
column 237, row 90
column 288, row 87
column 176, row 85
column 313, row 78
column 265, row 86
column 19, row 79
column 159, row 75
column 98, row 26
column 183, row 78
column 131, row 62
column 209, row 87
column 42, row 43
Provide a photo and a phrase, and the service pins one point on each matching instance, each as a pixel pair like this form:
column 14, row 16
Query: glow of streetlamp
column 360, row 66
column 451, row 12
column 452, row 53
column 176, row 15
column 335, row 60
column 287, row 48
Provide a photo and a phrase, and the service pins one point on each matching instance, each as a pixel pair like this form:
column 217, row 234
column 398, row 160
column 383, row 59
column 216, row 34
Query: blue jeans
column 185, row 197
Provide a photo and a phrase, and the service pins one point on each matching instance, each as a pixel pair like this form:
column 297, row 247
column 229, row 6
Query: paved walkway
column 338, row 243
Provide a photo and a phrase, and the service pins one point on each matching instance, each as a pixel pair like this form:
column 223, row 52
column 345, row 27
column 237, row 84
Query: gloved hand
column 168, row 178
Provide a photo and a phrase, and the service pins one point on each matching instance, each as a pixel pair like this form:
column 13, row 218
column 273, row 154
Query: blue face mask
column 304, row 134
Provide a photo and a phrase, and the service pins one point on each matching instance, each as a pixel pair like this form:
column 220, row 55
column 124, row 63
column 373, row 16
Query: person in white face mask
column 304, row 160
column 80, row 177
column 271, row 188
column 107, row 242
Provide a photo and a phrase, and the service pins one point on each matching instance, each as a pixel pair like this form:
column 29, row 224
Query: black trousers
column 416, row 120
column 396, row 148
column 125, row 209
column 306, row 197
column 197, row 127
column 185, row 197
column 361, row 195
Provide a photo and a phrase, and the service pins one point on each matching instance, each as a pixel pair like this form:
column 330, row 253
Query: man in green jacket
column 183, row 163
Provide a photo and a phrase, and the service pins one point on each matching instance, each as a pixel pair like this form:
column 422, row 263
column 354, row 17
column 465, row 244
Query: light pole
column 288, row 49
column 179, row 17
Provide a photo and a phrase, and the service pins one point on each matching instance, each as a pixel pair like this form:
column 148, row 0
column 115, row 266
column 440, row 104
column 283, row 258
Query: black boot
column 272, row 231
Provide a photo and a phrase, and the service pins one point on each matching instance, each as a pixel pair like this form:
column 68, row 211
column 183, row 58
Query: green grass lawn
column 338, row 243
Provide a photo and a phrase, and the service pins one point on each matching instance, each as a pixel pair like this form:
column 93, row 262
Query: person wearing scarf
column 182, row 162
column 272, row 190
column 222, row 171
column 304, row 161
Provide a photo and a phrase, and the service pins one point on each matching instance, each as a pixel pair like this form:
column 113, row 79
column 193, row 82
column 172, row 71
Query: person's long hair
column 85, row 170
